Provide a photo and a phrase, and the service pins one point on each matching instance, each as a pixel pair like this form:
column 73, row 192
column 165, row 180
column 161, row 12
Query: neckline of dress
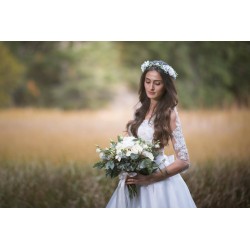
column 151, row 118
column 147, row 120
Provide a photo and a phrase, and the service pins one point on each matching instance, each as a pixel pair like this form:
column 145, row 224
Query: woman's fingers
column 131, row 181
column 138, row 179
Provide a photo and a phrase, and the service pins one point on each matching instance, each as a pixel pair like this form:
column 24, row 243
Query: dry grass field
column 46, row 156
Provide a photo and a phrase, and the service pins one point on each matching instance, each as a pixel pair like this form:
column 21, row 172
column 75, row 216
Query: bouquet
column 128, row 155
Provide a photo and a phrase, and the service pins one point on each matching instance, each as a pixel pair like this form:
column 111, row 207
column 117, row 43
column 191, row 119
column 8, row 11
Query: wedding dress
column 171, row 192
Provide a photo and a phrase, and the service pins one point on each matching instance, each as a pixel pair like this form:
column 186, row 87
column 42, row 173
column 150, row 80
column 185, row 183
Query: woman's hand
column 140, row 179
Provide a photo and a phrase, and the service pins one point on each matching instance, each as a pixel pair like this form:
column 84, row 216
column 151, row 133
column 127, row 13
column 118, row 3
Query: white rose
column 126, row 143
column 136, row 149
column 140, row 148
column 118, row 157
column 118, row 147
column 128, row 153
column 148, row 154
column 101, row 155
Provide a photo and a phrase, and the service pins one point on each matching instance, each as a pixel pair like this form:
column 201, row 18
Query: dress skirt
column 169, row 193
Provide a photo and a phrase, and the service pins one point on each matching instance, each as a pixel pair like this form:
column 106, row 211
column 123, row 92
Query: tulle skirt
column 169, row 193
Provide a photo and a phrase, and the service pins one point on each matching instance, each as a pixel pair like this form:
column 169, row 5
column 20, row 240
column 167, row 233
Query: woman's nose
column 152, row 86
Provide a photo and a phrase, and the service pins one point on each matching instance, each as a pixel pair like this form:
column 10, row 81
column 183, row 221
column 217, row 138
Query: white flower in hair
column 144, row 65
column 160, row 64
column 171, row 71
column 166, row 68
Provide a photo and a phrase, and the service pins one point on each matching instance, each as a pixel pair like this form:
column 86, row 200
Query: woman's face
column 154, row 85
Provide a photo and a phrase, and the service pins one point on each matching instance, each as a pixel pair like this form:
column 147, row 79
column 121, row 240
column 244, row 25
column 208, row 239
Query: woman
column 157, row 119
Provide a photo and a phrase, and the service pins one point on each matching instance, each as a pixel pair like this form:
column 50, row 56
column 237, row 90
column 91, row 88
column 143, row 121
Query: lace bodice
column 146, row 131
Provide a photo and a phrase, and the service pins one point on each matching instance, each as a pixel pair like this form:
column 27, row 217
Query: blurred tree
column 211, row 77
column 88, row 79
column 10, row 75
column 65, row 74
column 209, row 72
column 43, row 68
column 84, row 74
column 240, row 72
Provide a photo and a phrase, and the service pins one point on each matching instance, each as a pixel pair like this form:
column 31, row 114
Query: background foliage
column 79, row 75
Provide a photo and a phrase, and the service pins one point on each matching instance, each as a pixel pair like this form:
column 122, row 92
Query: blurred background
column 59, row 99
column 83, row 75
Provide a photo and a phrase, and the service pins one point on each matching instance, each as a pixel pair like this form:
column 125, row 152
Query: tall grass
column 220, row 184
column 46, row 157
column 42, row 184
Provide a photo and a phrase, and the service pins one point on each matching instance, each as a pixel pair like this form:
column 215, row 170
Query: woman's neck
column 151, row 109
column 153, row 104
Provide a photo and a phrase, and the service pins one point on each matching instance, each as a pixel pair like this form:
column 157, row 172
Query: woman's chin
column 150, row 96
column 153, row 98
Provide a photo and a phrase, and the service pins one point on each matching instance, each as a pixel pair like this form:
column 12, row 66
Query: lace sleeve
column 177, row 138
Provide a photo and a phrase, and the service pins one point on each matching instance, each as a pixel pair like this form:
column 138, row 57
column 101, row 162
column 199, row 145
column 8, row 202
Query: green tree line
column 77, row 75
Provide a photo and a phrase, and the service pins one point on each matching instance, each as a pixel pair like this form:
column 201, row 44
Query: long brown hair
column 162, row 111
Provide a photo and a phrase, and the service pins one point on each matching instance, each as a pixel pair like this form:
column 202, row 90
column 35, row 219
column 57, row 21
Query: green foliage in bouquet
column 129, row 154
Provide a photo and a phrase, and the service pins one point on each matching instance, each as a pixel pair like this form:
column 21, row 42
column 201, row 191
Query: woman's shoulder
column 173, row 111
column 173, row 116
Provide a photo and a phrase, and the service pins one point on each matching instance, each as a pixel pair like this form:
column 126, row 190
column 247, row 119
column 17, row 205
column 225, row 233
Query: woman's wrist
column 159, row 175
column 166, row 172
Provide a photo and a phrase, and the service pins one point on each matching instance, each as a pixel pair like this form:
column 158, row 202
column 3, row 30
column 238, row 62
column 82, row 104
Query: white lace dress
column 171, row 192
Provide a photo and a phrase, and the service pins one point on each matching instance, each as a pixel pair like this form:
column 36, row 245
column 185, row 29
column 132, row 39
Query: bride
column 157, row 119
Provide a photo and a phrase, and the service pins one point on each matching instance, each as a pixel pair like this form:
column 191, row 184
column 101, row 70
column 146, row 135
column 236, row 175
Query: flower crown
column 160, row 64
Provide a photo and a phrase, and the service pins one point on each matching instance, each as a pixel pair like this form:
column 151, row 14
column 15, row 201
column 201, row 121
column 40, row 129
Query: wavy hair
column 162, row 111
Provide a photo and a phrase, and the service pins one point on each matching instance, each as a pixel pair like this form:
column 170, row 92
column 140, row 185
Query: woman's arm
column 182, row 157
column 179, row 145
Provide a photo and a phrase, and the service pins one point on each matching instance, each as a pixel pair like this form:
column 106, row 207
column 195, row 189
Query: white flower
column 98, row 150
column 118, row 151
column 127, row 142
column 148, row 154
column 101, row 155
column 166, row 68
column 171, row 72
column 128, row 153
column 136, row 149
column 118, row 157
column 144, row 65
column 162, row 65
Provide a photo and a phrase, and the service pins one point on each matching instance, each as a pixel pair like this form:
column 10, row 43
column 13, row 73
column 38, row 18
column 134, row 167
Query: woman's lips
column 151, row 93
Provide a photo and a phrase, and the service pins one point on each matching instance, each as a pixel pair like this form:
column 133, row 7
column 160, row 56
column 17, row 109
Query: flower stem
column 132, row 190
